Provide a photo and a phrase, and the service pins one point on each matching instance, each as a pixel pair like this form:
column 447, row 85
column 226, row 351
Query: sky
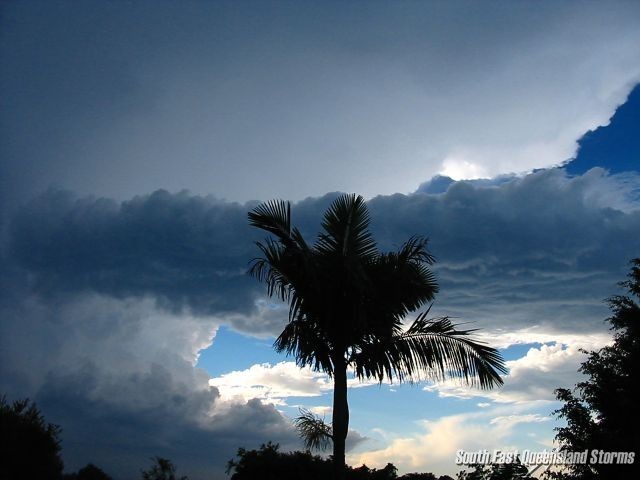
column 136, row 136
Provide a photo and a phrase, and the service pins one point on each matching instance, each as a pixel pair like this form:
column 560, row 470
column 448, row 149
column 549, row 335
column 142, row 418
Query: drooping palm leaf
column 430, row 350
column 272, row 269
column 313, row 430
column 307, row 343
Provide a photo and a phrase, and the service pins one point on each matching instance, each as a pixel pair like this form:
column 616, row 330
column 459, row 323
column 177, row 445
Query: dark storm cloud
column 252, row 100
column 105, row 305
column 175, row 423
column 185, row 251
column 542, row 240
column 541, row 250
column 189, row 253
column 119, row 377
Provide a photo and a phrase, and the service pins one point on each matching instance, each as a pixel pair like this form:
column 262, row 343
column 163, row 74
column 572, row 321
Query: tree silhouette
column 88, row 472
column 268, row 463
column 602, row 412
column 496, row 471
column 162, row 469
column 348, row 302
column 424, row 476
column 29, row 446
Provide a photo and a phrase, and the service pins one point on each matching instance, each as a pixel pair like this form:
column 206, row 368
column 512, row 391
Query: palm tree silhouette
column 347, row 302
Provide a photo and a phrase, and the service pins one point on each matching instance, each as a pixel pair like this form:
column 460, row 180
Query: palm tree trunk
column 340, row 417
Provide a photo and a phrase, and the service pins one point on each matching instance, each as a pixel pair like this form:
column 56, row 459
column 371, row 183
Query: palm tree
column 347, row 302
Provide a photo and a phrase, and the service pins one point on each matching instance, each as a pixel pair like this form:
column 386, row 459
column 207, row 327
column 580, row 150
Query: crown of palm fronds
column 347, row 298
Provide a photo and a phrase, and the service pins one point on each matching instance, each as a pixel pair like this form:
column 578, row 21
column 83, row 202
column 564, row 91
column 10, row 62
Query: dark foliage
column 601, row 413
column 29, row 446
column 268, row 463
column 496, row 471
column 423, row 476
column 88, row 472
column 162, row 469
column 389, row 472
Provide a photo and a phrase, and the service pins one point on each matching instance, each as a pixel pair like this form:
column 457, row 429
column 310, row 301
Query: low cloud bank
column 105, row 305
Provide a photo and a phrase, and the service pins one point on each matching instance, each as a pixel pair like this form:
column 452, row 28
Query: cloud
column 539, row 252
column 502, row 338
column 272, row 383
column 179, row 425
column 322, row 410
column 509, row 421
column 534, row 376
column 540, row 371
column 106, row 301
column 105, row 305
column 119, row 376
column 127, row 99
column 183, row 249
column 433, row 447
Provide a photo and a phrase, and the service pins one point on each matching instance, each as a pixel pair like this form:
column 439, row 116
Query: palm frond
column 415, row 250
column 313, row 430
column 272, row 268
column 431, row 350
column 402, row 280
column 346, row 223
column 302, row 339
column 273, row 216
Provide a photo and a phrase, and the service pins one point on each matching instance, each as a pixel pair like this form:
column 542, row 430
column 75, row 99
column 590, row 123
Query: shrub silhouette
column 269, row 463
column 88, row 472
column 162, row 469
column 602, row 412
column 496, row 471
column 29, row 446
